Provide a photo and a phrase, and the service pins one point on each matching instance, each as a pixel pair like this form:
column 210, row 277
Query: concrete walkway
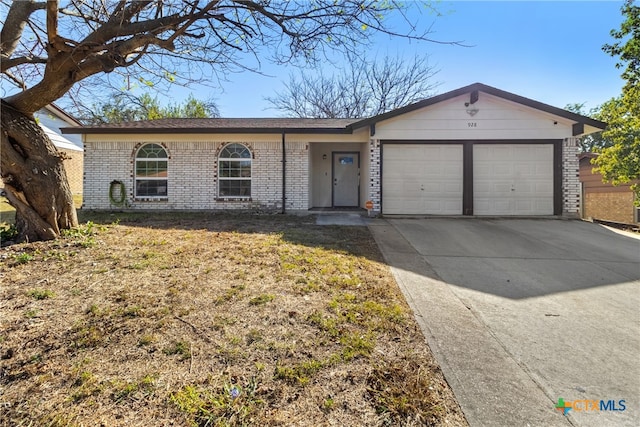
column 342, row 218
column 502, row 343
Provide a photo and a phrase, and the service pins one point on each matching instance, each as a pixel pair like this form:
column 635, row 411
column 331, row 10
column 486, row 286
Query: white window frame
column 221, row 178
column 138, row 178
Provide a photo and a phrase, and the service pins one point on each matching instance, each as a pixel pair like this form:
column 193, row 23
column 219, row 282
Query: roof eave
column 147, row 131
column 62, row 115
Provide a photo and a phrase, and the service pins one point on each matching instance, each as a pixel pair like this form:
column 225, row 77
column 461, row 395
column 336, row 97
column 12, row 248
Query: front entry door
column 346, row 179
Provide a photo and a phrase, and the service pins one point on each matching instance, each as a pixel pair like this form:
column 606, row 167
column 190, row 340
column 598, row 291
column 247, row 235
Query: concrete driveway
column 520, row 313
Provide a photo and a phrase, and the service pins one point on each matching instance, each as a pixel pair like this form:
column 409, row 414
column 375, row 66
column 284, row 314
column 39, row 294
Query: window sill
column 233, row 199
column 151, row 199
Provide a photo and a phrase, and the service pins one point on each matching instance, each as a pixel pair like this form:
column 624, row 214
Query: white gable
column 490, row 117
column 48, row 120
column 60, row 141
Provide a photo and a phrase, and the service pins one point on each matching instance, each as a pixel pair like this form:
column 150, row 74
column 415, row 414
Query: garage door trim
column 467, row 191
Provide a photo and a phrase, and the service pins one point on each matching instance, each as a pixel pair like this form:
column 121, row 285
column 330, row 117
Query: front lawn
column 211, row 320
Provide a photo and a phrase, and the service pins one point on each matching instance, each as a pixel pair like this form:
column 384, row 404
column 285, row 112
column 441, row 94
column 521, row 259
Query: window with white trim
column 151, row 171
column 234, row 171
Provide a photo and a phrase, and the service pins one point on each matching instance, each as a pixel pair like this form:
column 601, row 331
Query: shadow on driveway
column 517, row 259
column 520, row 313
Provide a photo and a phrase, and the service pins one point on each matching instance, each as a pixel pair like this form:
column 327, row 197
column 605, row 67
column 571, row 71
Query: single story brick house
column 476, row 150
column 603, row 201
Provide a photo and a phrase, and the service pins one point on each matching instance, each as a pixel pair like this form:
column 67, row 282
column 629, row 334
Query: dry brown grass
column 211, row 320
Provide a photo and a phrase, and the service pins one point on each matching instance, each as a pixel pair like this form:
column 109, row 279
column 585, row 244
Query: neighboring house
column 52, row 118
column 476, row 150
column 603, row 201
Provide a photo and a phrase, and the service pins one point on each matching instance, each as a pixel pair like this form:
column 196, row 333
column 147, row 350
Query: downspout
column 284, row 173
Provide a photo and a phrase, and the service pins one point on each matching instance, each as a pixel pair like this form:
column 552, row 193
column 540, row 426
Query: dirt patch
column 211, row 320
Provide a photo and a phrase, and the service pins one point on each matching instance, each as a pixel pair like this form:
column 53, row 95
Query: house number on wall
column 472, row 124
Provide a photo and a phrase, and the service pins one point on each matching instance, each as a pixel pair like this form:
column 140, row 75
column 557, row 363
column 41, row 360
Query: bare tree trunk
column 34, row 178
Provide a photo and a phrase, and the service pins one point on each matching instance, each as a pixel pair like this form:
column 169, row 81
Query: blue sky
column 549, row 51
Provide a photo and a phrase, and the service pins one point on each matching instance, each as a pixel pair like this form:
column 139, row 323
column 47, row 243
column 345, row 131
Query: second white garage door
column 422, row 179
column 513, row 179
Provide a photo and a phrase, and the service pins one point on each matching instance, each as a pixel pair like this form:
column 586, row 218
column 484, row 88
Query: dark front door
column 346, row 179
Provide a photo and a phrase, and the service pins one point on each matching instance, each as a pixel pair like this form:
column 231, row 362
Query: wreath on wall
column 121, row 196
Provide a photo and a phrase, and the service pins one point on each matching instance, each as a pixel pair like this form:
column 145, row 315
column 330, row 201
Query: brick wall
column 192, row 176
column 570, row 178
column 297, row 182
column 374, row 175
column 73, row 166
column 616, row 206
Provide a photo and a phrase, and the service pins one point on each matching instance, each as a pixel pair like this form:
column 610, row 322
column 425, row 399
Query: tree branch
column 114, row 55
column 194, row 17
column 77, row 14
column 155, row 26
column 14, row 62
column 113, row 27
column 52, row 23
column 14, row 24
column 19, row 82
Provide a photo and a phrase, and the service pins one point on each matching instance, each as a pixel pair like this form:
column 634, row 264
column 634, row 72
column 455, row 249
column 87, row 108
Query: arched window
column 151, row 171
column 234, row 171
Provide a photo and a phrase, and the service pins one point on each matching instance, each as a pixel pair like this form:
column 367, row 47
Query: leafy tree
column 359, row 90
column 620, row 162
column 126, row 107
column 628, row 45
column 48, row 49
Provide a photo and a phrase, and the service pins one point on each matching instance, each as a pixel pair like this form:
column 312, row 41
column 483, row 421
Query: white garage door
column 513, row 179
column 422, row 179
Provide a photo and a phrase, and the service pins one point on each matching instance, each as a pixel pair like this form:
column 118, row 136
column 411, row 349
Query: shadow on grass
column 297, row 229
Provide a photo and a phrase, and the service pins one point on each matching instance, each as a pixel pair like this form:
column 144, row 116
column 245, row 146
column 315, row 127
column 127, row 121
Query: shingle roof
column 218, row 125
column 327, row 126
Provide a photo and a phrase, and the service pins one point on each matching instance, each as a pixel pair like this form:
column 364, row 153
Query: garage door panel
column 524, row 169
column 453, row 170
column 544, row 187
column 432, row 188
column 452, row 206
column 513, row 179
column 395, row 185
column 497, row 207
column 409, row 152
column 532, row 207
column 501, row 188
column 500, row 170
column 409, row 188
column 432, row 177
column 449, row 154
column 524, row 205
column 452, row 187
